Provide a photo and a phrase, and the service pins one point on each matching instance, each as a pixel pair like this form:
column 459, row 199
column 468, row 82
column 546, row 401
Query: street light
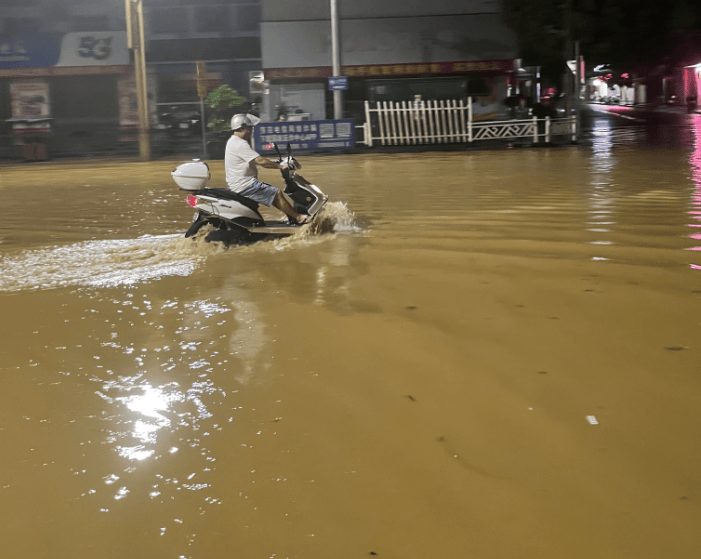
column 136, row 42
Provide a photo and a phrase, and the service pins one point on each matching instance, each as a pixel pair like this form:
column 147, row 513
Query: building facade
column 392, row 50
column 66, row 74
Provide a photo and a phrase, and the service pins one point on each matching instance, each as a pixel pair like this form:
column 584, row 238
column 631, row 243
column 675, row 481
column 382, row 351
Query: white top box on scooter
column 192, row 175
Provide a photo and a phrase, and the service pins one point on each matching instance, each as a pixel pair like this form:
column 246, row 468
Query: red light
column 192, row 200
column 624, row 76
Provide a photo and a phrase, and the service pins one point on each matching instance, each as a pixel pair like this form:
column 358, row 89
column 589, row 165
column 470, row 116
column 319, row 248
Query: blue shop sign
column 306, row 135
column 338, row 83
column 30, row 50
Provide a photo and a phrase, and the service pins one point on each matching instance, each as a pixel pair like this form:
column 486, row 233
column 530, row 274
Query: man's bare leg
column 281, row 203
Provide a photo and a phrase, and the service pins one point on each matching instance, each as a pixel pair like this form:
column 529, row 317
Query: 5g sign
column 92, row 48
column 97, row 48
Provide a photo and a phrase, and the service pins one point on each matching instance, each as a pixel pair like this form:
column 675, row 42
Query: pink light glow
column 692, row 86
column 619, row 109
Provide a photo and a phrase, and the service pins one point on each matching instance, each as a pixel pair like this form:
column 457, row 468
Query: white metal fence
column 451, row 121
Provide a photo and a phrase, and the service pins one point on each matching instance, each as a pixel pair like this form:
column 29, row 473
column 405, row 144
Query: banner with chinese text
column 307, row 135
column 31, row 108
column 394, row 70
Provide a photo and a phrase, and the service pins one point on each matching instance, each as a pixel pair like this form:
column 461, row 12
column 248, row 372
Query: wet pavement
column 494, row 354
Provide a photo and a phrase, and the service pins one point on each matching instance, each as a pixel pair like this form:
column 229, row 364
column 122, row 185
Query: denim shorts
column 260, row 192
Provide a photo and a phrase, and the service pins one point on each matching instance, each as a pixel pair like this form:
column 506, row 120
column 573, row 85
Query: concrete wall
column 295, row 44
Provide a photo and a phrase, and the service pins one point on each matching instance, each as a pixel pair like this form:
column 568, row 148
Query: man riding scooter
column 241, row 166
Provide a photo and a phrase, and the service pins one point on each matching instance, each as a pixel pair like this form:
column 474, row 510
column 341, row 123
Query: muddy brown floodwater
column 494, row 355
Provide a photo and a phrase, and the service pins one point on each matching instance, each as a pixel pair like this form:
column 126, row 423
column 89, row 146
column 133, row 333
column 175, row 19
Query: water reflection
column 249, row 338
column 175, row 371
column 695, row 166
column 151, row 404
column 602, row 206
column 199, row 404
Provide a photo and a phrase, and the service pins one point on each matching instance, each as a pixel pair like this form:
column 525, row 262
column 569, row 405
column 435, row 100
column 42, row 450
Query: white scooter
column 235, row 218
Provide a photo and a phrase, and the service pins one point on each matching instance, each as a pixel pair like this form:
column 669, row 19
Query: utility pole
column 137, row 43
column 202, row 93
column 577, row 87
column 572, row 74
column 336, row 56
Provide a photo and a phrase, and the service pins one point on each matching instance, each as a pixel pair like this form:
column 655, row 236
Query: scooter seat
column 227, row 194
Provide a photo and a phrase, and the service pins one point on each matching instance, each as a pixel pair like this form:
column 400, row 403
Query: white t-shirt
column 239, row 165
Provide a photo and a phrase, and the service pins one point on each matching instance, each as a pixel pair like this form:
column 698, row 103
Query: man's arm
column 267, row 163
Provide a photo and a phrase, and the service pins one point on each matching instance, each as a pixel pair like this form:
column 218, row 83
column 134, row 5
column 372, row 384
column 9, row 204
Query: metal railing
column 451, row 121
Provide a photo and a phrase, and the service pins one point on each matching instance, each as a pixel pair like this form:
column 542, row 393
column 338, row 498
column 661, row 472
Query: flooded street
column 494, row 355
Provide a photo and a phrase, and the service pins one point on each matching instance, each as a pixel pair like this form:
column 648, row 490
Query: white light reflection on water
column 152, row 403
column 602, row 201
column 160, row 413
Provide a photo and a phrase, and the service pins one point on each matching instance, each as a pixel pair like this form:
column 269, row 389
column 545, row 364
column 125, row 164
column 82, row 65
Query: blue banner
column 31, row 50
column 306, row 135
column 338, row 83
column 47, row 50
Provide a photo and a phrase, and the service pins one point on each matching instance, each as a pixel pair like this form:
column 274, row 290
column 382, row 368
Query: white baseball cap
column 237, row 121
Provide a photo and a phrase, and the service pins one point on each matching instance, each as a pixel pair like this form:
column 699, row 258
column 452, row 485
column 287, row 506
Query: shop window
column 249, row 18
column 15, row 25
column 169, row 20
column 176, row 88
column 204, row 49
column 80, row 98
column 407, row 89
column 91, row 23
column 214, row 19
column 478, row 87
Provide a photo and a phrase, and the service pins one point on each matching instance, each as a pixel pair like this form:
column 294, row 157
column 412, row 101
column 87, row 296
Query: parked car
column 180, row 122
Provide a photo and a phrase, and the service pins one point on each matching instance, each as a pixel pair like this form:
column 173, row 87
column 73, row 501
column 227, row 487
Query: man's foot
column 303, row 218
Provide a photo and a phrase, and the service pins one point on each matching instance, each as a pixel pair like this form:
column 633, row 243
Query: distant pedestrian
column 542, row 110
column 521, row 111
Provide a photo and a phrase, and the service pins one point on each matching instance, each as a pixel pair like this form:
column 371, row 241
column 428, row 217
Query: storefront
column 70, row 92
column 389, row 52
column 604, row 85
column 692, row 86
